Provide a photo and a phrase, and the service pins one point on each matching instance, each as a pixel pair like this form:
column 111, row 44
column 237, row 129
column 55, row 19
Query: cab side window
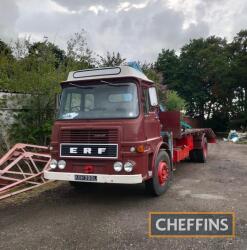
column 147, row 105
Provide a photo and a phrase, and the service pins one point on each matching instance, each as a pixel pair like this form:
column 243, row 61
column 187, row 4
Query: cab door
column 152, row 126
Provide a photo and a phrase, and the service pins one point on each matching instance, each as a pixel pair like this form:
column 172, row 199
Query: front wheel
column 162, row 175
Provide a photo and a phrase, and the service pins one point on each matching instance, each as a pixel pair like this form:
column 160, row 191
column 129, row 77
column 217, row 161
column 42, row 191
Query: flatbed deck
column 186, row 142
column 209, row 133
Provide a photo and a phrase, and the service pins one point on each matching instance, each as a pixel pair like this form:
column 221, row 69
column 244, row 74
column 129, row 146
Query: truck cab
column 108, row 131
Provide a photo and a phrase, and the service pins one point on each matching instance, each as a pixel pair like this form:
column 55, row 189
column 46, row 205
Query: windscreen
column 99, row 101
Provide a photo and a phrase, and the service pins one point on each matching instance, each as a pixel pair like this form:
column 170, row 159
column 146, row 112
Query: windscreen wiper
column 81, row 87
column 113, row 84
column 91, row 87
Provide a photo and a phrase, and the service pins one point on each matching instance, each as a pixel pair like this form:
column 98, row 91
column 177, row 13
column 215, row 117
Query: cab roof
column 106, row 73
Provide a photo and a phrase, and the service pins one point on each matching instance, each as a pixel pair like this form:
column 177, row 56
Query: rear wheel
column 162, row 175
column 200, row 155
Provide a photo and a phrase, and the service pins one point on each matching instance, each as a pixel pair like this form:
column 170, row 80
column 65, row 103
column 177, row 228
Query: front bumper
column 101, row 178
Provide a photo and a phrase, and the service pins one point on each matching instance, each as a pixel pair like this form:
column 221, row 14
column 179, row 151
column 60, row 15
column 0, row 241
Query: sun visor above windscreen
column 108, row 72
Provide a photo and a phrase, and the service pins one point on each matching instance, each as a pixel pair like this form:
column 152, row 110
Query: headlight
column 53, row 164
column 132, row 149
column 62, row 164
column 128, row 166
column 118, row 166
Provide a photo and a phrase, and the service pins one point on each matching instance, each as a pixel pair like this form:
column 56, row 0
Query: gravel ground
column 115, row 216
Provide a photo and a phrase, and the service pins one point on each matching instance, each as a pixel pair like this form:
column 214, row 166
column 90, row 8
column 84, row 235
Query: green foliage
column 111, row 60
column 210, row 75
column 174, row 102
column 5, row 50
column 208, row 78
column 6, row 62
column 33, row 123
column 41, row 51
column 238, row 50
column 167, row 63
column 78, row 55
column 151, row 72
column 77, row 48
column 36, row 70
column 168, row 98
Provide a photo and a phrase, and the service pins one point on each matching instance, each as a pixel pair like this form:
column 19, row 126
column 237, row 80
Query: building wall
column 10, row 104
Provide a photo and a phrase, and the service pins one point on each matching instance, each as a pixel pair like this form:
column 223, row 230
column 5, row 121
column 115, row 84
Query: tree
column 174, row 102
column 21, row 47
column 238, row 49
column 79, row 56
column 39, row 71
column 6, row 64
column 5, row 50
column 37, row 75
column 151, row 72
column 167, row 63
column 111, row 60
column 33, row 124
column 40, row 50
column 203, row 73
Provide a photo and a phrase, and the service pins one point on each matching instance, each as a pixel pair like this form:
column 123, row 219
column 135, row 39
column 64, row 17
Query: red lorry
column 110, row 130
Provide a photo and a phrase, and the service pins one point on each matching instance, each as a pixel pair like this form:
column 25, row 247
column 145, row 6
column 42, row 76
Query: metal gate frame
column 21, row 169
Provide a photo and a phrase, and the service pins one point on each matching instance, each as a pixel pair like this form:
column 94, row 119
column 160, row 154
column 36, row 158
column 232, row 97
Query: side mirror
column 153, row 96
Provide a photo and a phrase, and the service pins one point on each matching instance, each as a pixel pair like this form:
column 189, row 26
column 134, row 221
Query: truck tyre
column 162, row 175
column 200, row 155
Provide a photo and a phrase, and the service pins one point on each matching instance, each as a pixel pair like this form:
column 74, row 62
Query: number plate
column 92, row 178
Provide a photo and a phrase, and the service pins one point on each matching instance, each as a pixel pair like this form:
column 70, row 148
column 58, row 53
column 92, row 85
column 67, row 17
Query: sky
column 138, row 29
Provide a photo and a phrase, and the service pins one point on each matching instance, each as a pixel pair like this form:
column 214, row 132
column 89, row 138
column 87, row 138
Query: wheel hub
column 162, row 173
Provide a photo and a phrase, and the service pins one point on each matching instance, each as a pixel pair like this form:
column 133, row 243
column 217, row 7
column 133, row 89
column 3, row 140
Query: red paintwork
column 170, row 121
column 88, row 169
column 180, row 154
column 162, row 173
column 144, row 130
column 211, row 140
column 186, row 140
column 182, row 148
